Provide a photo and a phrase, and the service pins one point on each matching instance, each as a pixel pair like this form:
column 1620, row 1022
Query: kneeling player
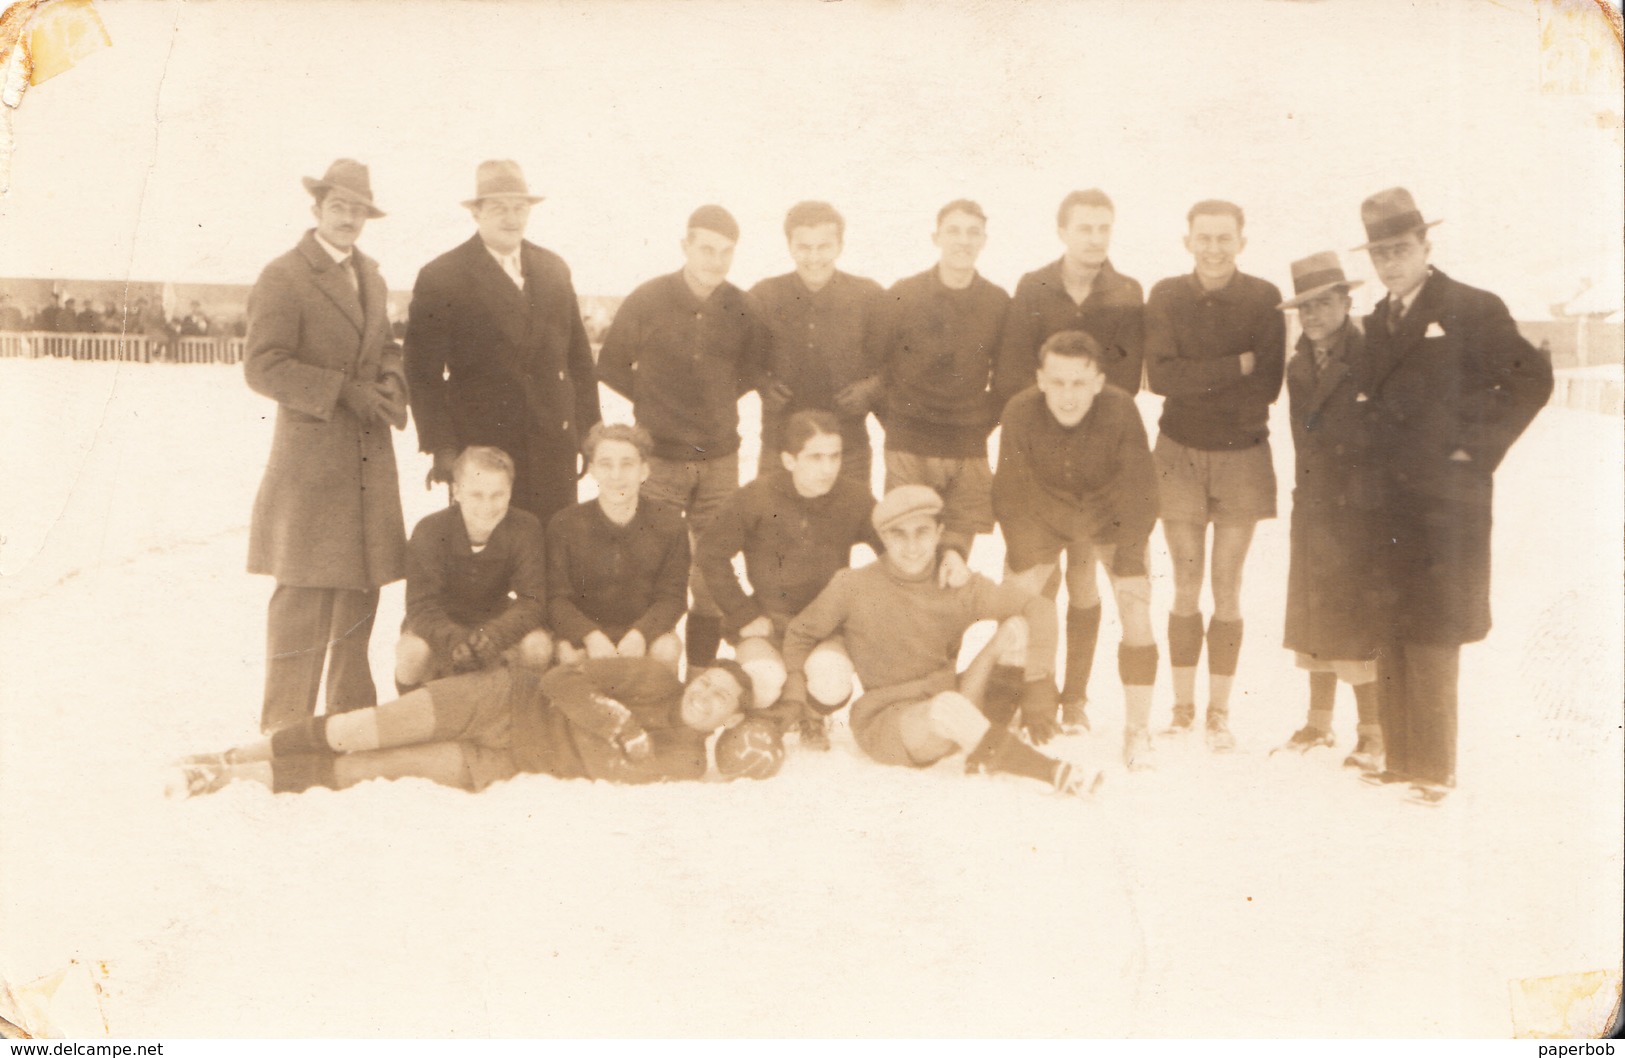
column 619, row 719
column 902, row 629
column 1075, row 475
column 463, row 563
column 617, row 566
column 796, row 527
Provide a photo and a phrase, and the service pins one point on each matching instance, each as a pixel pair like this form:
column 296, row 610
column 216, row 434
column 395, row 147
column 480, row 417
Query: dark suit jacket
column 1457, row 377
column 328, row 513
column 490, row 364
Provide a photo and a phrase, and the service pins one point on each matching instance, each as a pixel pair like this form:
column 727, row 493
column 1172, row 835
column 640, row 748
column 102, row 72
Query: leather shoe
column 1383, row 778
column 1427, row 794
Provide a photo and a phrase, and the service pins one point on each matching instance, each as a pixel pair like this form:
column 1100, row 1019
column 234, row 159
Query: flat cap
column 904, row 502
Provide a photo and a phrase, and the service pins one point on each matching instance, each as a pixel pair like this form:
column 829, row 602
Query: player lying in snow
column 619, row 719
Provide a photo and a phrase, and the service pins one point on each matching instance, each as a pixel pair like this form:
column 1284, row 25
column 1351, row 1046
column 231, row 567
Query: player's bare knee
column 666, row 649
column 829, row 677
column 412, row 659
column 536, row 650
column 767, row 678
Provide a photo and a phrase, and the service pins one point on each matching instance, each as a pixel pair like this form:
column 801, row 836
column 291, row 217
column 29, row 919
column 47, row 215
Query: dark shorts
column 1227, row 486
column 1039, row 544
column 475, row 711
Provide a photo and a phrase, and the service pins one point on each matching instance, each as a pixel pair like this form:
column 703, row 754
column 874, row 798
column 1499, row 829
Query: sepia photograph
column 824, row 519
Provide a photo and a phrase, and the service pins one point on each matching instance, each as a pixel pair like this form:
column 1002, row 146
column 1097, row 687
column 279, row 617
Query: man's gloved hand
column 775, row 397
column 367, row 400
column 598, row 645
column 1039, row 701
column 858, row 397
column 441, row 471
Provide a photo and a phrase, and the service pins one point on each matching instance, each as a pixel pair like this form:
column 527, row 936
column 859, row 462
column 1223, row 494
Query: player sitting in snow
column 1075, row 476
column 475, row 580
column 796, row 527
column 902, row 629
column 619, row 719
column 617, row 566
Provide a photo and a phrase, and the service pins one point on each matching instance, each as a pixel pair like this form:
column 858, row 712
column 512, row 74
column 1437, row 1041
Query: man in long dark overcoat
column 496, row 351
column 327, row 521
column 1333, row 600
column 1452, row 384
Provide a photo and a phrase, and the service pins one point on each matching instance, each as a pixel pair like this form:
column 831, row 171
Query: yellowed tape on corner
column 62, row 33
column 1567, row 1007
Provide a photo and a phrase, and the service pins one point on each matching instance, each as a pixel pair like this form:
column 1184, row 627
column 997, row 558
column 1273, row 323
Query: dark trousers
column 303, row 628
column 1416, row 700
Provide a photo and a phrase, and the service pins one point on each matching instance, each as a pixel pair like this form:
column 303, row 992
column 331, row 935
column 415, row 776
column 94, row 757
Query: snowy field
column 1214, row 896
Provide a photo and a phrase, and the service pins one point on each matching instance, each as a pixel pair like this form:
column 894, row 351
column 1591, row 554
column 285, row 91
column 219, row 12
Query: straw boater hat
column 500, row 178
column 346, row 178
column 1390, row 214
column 1314, row 275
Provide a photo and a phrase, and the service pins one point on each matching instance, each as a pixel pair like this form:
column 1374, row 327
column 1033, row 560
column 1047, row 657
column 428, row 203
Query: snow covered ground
column 1214, row 896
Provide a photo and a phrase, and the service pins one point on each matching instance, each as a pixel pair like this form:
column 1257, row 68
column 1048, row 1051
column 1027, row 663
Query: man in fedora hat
column 1333, row 601
column 683, row 349
column 327, row 521
column 497, row 353
column 1451, row 384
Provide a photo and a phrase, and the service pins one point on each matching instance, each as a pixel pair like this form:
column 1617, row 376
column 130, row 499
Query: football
column 751, row 749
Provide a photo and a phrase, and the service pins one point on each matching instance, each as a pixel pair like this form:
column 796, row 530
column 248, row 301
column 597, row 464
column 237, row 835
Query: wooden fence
column 36, row 345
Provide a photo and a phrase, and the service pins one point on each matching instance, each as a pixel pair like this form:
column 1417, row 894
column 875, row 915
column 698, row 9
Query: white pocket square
column 1434, row 330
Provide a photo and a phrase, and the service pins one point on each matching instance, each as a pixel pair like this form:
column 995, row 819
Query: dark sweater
column 823, row 341
column 1113, row 314
column 684, row 363
column 452, row 590
column 1194, row 339
column 572, row 722
column 1100, row 470
column 939, row 350
column 792, row 545
column 613, row 578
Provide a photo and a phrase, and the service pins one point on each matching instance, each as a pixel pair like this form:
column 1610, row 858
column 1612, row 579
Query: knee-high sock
column 1001, row 751
column 1137, row 666
column 1223, row 646
column 704, row 635
column 301, row 771
column 307, row 736
column 1322, row 696
column 1003, row 692
column 1184, row 640
column 1082, row 630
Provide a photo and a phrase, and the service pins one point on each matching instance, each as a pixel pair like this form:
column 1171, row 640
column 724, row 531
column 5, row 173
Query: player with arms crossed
column 1215, row 347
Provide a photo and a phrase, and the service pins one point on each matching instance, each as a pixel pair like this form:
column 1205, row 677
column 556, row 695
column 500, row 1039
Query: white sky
column 177, row 153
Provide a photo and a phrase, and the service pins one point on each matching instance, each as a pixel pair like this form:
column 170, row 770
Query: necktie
column 1396, row 314
column 1323, row 358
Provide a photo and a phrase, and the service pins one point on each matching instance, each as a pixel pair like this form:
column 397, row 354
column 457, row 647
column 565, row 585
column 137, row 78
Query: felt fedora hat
column 500, row 178
column 1390, row 214
column 1314, row 275
column 346, row 177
